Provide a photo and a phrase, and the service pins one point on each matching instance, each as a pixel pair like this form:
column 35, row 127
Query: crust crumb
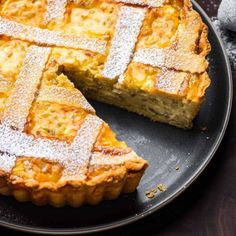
column 152, row 193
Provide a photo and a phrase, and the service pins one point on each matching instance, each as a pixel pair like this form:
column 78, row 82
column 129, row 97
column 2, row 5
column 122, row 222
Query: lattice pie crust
column 148, row 56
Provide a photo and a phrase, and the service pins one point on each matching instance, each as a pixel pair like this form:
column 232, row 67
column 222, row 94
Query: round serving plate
column 165, row 148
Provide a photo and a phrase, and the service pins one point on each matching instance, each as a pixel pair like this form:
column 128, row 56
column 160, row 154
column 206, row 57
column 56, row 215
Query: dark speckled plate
column 165, row 148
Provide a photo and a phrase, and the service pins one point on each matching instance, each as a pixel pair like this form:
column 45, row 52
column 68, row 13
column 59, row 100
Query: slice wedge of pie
column 54, row 149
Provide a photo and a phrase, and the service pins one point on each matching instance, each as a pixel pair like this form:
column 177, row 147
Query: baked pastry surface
column 146, row 56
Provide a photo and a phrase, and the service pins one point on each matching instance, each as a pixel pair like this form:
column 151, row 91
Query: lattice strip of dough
column 22, row 96
column 172, row 59
column 64, row 96
column 127, row 29
column 83, row 145
column 172, row 81
column 55, row 10
column 48, row 37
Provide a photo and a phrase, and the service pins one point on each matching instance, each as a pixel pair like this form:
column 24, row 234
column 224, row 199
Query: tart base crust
column 102, row 183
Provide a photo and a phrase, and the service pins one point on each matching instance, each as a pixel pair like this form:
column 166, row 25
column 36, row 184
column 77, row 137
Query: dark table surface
column 208, row 207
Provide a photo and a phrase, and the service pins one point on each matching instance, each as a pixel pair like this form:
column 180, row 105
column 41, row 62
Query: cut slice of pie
column 54, row 149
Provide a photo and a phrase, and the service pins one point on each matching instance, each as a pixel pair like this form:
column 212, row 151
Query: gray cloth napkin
column 227, row 14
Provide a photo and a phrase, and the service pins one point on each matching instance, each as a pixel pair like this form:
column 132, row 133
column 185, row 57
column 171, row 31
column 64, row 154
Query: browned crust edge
column 204, row 44
column 74, row 196
column 102, row 183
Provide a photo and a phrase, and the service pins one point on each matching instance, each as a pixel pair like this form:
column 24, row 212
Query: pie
column 147, row 56
column 54, row 149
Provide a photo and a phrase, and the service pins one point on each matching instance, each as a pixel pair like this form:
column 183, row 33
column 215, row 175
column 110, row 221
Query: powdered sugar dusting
column 20, row 101
column 127, row 30
column 154, row 57
column 48, row 37
column 55, row 10
column 64, row 96
column 83, row 144
column 229, row 40
column 19, row 144
column 171, row 81
column 7, row 162
column 171, row 59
